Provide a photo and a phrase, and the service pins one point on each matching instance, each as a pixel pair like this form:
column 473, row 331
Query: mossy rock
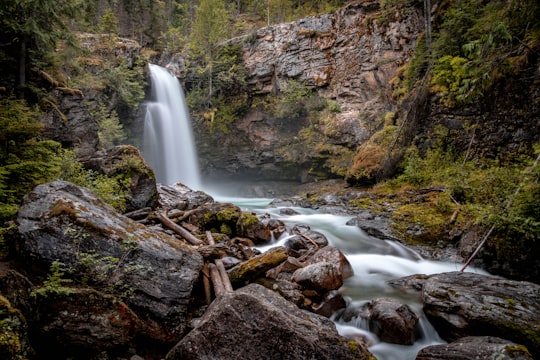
column 419, row 223
column 14, row 343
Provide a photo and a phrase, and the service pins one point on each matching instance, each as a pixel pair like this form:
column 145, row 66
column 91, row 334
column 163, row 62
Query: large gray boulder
column 475, row 347
column 153, row 272
column 254, row 323
column 467, row 304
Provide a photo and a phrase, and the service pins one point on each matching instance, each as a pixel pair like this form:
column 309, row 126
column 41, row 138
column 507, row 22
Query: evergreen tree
column 211, row 26
column 30, row 31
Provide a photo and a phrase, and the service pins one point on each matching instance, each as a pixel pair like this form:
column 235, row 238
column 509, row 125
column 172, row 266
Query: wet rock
column 248, row 225
column 250, row 270
column 305, row 240
column 178, row 196
column 254, row 322
column 155, row 272
column 333, row 255
column 126, row 162
column 387, row 318
column 467, row 304
column 476, row 347
column 330, row 303
column 321, row 276
column 74, row 321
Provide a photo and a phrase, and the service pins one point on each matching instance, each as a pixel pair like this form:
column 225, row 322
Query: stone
column 468, row 304
column 389, row 319
column 476, row 347
column 181, row 197
column 14, row 341
column 254, row 322
column 154, row 272
column 321, row 276
column 333, row 255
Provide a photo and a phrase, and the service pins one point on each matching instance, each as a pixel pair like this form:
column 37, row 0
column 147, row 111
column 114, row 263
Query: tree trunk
column 22, row 69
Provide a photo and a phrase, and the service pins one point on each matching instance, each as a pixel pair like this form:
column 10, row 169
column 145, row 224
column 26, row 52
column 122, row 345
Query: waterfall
column 168, row 144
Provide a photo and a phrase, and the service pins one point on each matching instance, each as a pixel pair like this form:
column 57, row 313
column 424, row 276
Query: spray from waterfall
column 168, row 144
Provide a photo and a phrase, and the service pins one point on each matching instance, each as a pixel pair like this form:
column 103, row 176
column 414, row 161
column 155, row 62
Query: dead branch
column 179, row 230
column 216, row 280
column 206, row 283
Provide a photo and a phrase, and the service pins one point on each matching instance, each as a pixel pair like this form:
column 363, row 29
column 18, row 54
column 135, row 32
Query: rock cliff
column 349, row 57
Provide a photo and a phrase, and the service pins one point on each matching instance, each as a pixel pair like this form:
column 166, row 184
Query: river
column 374, row 262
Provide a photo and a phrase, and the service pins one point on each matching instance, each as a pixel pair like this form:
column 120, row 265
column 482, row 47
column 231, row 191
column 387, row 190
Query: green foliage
column 25, row 160
column 108, row 23
column 127, row 83
column 110, row 189
column 487, row 191
column 54, row 284
column 474, row 44
column 111, row 132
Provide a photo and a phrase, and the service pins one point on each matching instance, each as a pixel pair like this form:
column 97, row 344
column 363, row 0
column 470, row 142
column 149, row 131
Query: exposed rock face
column 466, row 304
column 349, row 56
column 475, row 347
column 154, row 272
column 82, row 320
column 78, row 130
column 266, row 325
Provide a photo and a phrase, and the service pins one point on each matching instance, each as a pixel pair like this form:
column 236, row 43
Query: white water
column 168, row 144
column 374, row 262
column 168, row 147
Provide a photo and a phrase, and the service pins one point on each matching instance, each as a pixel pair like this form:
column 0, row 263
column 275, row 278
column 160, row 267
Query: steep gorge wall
column 349, row 56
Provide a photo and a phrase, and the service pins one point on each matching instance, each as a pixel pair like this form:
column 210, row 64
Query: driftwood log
column 189, row 237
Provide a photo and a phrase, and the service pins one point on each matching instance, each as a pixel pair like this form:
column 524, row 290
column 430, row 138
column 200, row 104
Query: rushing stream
column 167, row 135
column 374, row 262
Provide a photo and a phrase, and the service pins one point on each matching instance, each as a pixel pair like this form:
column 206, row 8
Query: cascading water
column 168, row 144
column 170, row 150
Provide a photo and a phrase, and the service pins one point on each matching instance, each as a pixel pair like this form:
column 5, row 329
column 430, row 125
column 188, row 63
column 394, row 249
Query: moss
column 420, row 223
column 514, row 350
column 228, row 215
column 247, row 219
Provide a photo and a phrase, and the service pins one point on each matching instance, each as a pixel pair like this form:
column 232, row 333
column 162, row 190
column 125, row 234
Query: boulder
column 333, row 255
column 321, row 276
column 178, row 196
column 467, row 304
column 126, row 162
column 476, row 347
column 254, row 322
column 155, row 273
column 250, row 226
column 387, row 318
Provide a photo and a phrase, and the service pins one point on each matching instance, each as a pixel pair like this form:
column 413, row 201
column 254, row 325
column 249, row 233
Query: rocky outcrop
column 466, row 304
column 268, row 326
column 475, row 347
column 349, row 56
column 155, row 273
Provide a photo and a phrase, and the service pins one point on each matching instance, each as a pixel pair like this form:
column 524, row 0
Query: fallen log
column 219, row 264
column 206, row 283
column 189, row 237
column 219, row 288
